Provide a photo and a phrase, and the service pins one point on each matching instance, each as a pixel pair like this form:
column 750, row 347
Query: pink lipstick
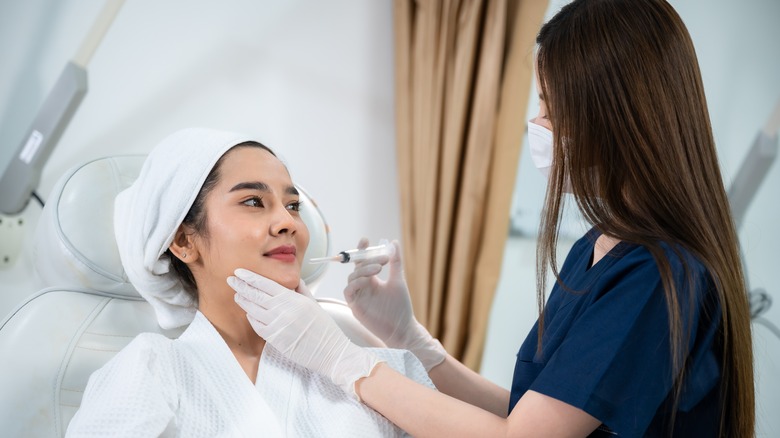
column 284, row 253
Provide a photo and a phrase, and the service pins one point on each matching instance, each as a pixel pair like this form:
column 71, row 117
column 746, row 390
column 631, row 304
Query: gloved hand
column 385, row 307
column 301, row 330
column 302, row 289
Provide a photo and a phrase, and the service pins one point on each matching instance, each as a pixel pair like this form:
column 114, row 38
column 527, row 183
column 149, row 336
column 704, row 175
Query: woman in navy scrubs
column 647, row 328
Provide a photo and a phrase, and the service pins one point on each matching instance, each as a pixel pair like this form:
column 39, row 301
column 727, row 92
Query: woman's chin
column 288, row 277
column 291, row 284
column 288, row 281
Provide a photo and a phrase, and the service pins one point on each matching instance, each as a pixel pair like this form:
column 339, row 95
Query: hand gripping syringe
column 356, row 255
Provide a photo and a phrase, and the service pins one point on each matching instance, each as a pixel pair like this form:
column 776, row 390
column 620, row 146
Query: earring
column 184, row 255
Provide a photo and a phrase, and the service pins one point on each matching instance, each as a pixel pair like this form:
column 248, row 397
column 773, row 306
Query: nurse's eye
column 294, row 206
column 254, row 201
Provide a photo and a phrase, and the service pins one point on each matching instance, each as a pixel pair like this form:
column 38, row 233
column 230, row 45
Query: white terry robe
column 193, row 386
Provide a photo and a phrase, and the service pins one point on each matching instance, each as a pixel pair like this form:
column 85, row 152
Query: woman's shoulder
column 647, row 265
column 145, row 344
column 679, row 258
column 147, row 352
column 677, row 254
column 131, row 392
column 140, row 367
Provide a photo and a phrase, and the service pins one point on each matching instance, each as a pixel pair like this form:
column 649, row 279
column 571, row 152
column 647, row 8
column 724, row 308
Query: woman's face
column 252, row 220
column 541, row 116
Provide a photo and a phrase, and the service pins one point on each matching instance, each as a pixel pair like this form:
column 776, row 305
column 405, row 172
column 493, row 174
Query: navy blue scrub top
column 606, row 347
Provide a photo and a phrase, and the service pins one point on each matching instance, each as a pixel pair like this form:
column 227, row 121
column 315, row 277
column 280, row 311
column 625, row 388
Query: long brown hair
column 632, row 138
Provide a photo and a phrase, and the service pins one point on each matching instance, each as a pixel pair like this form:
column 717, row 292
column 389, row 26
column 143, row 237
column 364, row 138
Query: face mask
column 540, row 139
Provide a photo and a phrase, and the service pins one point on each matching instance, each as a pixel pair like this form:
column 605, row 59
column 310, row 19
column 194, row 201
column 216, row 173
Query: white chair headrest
column 74, row 242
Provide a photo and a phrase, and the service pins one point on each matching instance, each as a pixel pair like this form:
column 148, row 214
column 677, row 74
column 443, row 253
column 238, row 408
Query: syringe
column 356, row 255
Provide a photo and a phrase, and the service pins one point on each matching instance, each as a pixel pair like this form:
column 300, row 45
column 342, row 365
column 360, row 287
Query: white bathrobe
column 194, row 387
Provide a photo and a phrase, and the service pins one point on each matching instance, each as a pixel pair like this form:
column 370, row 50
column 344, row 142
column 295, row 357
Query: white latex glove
column 303, row 289
column 385, row 307
column 301, row 330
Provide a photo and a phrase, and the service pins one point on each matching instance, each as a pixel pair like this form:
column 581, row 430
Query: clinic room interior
column 325, row 84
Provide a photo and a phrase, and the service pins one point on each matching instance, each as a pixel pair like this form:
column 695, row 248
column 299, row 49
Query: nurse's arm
column 424, row 412
column 457, row 380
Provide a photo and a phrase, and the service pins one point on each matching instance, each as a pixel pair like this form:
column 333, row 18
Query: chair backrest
column 56, row 338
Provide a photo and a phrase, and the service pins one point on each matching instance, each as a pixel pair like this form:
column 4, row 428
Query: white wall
column 312, row 80
column 737, row 45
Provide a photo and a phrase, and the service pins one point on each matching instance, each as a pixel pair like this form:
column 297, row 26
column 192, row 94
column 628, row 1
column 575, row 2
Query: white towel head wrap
column 148, row 213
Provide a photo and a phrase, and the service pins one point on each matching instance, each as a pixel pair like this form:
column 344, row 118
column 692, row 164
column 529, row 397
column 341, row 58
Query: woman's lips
column 284, row 253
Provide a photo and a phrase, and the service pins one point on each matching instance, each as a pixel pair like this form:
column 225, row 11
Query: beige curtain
column 463, row 77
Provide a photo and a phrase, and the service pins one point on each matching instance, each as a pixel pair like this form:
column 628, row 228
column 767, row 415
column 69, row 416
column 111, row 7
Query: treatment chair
column 56, row 338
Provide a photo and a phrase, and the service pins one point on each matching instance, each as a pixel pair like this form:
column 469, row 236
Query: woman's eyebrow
column 261, row 187
column 253, row 185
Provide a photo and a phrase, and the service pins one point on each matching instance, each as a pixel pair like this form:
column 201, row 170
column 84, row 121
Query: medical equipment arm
column 755, row 167
column 385, row 307
column 21, row 177
column 301, row 330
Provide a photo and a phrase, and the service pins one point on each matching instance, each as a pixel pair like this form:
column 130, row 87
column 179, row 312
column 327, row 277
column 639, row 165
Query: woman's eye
column 294, row 206
column 253, row 202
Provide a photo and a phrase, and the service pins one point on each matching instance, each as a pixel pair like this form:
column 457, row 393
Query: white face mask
column 540, row 139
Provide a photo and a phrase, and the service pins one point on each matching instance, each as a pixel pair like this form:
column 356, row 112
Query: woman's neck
column 231, row 323
column 602, row 247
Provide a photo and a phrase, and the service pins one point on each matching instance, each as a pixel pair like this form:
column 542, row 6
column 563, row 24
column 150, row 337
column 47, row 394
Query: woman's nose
column 539, row 117
column 542, row 120
column 283, row 222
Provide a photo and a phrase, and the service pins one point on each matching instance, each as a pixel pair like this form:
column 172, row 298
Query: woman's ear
column 183, row 245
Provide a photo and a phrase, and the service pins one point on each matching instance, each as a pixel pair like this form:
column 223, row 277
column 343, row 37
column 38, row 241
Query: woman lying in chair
column 206, row 203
